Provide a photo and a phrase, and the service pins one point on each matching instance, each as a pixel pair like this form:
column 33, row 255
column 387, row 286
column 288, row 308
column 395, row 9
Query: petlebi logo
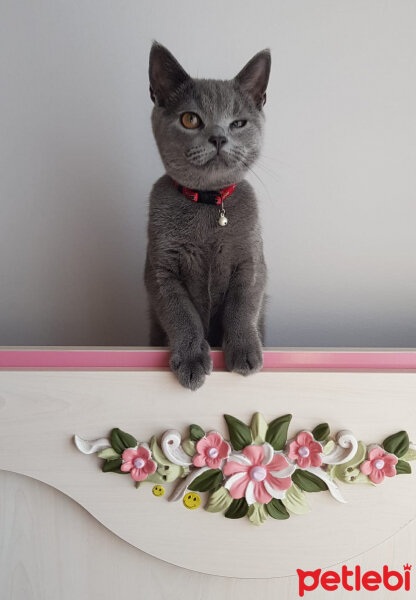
column 354, row 579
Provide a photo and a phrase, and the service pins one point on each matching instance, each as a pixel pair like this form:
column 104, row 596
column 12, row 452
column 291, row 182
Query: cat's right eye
column 190, row 120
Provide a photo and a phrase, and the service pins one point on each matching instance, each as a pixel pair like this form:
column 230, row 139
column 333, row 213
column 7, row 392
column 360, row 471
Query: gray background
column 336, row 183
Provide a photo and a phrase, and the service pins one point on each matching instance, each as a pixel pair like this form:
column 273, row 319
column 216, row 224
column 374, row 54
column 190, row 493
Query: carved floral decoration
column 258, row 472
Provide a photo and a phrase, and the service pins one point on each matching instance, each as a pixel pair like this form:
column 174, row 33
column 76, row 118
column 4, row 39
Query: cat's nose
column 218, row 141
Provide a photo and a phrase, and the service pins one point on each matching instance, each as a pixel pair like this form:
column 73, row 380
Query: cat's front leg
column 190, row 352
column 242, row 314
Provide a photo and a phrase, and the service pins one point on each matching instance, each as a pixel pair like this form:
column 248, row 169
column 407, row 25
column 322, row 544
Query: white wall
column 336, row 183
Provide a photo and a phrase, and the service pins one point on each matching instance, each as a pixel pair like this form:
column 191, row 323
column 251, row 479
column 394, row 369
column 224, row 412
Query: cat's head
column 208, row 131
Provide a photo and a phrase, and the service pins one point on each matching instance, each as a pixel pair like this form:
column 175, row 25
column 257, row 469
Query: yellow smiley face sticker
column 158, row 490
column 192, row 500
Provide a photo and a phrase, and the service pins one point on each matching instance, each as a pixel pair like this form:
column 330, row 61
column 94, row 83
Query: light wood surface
column 41, row 410
column 52, row 549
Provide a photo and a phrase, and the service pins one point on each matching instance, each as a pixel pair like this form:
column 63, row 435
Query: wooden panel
column 50, row 548
column 41, row 410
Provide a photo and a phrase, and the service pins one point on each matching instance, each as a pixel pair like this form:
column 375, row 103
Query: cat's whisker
column 273, row 158
column 268, row 171
column 252, row 171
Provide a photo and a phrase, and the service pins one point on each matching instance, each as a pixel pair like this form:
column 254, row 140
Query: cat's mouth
column 201, row 157
column 221, row 158
column 225, row 158
column 229, row 158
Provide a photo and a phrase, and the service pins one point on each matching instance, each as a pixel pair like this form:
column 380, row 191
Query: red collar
column 215, row 197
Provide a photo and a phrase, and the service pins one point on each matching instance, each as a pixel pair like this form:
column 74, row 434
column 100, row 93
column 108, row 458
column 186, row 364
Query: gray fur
column 205, row 282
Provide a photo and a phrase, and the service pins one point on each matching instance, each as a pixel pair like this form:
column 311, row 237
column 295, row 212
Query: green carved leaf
column 156, row 478
column 403, row 467
column 277, row 432
column 257, row 513
column 166, row 471
column 329, row 446
column 237, row 509
column 349, row 472
column 277, row 509
column 240, row 434
column 166, row 474
column 189, row 447
column 350, row 475
column 358, row 457
column 170, row 473
column 358, row 477
column 208, row 480
column 321, row 432
column 219, row 500
column 331, row 471
column 258, row 428
column 295, row 501
column 108, row 454
column 410, row 454
column 196, row 432
column 308, row 482
column 112, row 466
column 397, row 444
column 157, row 453
column 120, row 440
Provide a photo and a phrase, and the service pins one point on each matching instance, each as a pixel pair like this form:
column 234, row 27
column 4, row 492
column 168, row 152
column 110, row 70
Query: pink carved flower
column 305, row 451
column 211, row 451
column 380, row 464
column 138, row 462
column 258, row 474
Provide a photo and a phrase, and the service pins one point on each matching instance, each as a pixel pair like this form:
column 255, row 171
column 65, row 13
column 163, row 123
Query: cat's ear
column 254, row 77
column 165, row 74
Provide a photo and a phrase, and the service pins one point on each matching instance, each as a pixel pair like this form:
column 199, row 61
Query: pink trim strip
column 297, row 359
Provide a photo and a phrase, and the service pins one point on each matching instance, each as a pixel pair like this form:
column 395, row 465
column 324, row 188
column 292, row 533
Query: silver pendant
column 223, row 219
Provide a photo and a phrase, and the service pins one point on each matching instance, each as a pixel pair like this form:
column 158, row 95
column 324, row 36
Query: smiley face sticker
column 158, row 490
column 192, row 500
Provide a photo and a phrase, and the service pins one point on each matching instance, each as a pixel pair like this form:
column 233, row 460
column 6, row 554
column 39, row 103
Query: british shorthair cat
column 205, row 271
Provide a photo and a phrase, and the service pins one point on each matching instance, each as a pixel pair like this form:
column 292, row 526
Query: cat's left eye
column 238, row 124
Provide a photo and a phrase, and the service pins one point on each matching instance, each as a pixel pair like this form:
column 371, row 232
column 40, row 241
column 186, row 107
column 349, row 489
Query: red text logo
column 354, row 580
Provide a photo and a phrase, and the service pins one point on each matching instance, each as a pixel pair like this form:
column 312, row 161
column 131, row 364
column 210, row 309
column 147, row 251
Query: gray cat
column 205, row 272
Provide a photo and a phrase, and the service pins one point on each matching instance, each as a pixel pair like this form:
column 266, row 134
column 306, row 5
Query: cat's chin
column 224, row 161
column 213, row 175
column 208, row 181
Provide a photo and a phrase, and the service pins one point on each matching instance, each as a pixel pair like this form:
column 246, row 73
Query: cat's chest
column 205, row 270
column 209, row 250
column 203, row 256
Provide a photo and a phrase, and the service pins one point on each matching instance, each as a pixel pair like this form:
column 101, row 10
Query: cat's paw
column 244, row 356
column 191, row 367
